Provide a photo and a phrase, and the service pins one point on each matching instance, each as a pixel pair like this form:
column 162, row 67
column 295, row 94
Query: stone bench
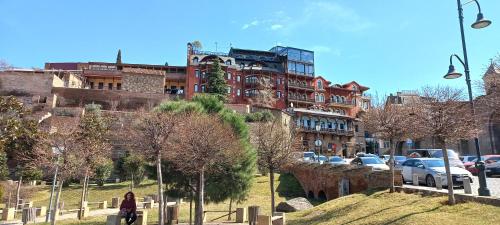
column 42, row 211
column 113, row 219
column 142, row 217
column 100, row 205
column 277, row 219
column 115, row 202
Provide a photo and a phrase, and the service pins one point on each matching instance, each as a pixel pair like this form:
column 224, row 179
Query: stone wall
column 143, row 83
column 26, row 83
column 324, row 179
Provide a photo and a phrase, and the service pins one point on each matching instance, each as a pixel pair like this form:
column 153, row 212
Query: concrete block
column 241, row 215
column 8, row 213
column 42, row 211
column 113, row 220
column 415, row 179
column 148, row 205
column 279, row 218
column 467, row 187
column 83, row 213
column 103, row 205
column 264, row 220
column 142, row 217
column 115, row 202
column 439, row 182
column 253, row 212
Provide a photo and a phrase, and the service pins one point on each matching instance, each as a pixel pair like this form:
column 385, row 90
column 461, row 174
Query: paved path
column 493, row 185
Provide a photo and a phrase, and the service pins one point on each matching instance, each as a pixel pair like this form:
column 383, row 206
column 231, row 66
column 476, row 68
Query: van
column 437, row 153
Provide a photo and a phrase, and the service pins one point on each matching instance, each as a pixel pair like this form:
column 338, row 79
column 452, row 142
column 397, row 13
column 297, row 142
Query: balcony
column 300, row 86
column 301, row 100
column 328, row 131
column 345, row 104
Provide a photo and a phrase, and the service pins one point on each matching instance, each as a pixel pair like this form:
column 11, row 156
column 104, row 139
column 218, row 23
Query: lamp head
column 480, row 22
column 452, row 73
column 318, row 127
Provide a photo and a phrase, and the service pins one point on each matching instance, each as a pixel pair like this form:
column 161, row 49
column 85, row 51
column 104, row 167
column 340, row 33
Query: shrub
column 134, row 167
column 103, row 171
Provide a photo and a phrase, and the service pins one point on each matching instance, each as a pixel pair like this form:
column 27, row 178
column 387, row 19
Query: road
column 493, row 185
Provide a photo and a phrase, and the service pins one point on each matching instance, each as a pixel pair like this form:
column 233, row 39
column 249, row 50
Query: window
column 278, row 81
column 228, row 62
column 229, row 76
column 197, row 73
column 291, row 67
column 101, row 85
column 278, row 94
column 242, row 65
column 356, row 128
column 342, row 99
column 229, row 90
column 319, row 84
column 300, row 68
column 118, row 86
column 203, row 88
column 203, row 75
column 321, row 98
column 110, row 86
column 310, row 70
column 238, row 78
column 238, row 92
column 195, row 60
column 91, row 85
column 195, row 87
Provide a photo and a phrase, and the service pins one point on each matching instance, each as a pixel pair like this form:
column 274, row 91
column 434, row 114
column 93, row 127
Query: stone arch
column 322, row 196
column 310, row 195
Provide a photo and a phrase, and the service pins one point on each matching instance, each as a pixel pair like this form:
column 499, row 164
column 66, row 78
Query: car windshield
column 434, row 163
column 399, row 158
column 371, row 160
column 322, row 158
column 308, row 154
column 336, row 159
column 439, row 154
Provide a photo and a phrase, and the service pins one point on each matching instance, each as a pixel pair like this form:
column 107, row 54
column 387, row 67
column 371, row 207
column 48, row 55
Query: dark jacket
column 128, row 205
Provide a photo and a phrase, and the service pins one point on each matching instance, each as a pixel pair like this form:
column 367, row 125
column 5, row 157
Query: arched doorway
column 310, row 195
column 322, row 196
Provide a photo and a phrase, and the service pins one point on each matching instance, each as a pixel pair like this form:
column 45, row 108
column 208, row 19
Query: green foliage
column 1, row 191
column 216, row 83
column 29, row 174
column 265, row 116
column 4, row 170
column 134, row 167
column 103, row 171
column 230, row 181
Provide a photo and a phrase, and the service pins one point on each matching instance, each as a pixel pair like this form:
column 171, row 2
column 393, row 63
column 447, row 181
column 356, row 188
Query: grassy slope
column 384, row 208
column 286, row 187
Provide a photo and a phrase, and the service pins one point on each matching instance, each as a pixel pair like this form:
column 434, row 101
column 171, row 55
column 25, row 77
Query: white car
column 374, row 162
column 431, row 169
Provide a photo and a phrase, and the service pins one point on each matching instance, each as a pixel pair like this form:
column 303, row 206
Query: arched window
column 203, row 88
column 195, row 87
column 321, row 98
column 228, row 75
column 228, row 62
column 342, row 99
column 195, row 60
column 337, row 98
column 316, row 97
column 319, row 84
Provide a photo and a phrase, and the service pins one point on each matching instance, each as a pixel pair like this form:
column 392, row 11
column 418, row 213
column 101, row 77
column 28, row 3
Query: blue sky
column 385, row 44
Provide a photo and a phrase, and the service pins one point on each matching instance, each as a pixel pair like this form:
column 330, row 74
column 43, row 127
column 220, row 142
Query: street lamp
column 453, row 74
column 317, row 143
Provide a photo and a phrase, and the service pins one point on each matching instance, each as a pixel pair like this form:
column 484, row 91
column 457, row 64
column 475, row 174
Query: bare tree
column 275, row 143
column 447, row 118
column 151, row 134
column 203, row 143
column 266, row 96
column 391, row 122
column 4, row 65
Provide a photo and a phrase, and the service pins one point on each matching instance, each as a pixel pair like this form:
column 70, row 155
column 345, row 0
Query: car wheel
column 429, row 181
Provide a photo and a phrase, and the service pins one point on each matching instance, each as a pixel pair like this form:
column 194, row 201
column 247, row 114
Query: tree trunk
column 198, row 215
column 271, row 184
column 53, row 215
column 451, row 195
column 82, row 198
column 18, row 192
column 161, row 218
column 230, row 206
column 190, row 206
column 391, row 165
column 87, row 189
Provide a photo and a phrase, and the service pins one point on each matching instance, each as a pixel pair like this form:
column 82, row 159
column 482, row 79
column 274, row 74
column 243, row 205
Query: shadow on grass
column 289, row 187
column 327, row 216
column 412, row 214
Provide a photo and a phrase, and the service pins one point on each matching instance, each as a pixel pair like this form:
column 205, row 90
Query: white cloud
column 276, row 26
column 251, row 24
column 319, row 49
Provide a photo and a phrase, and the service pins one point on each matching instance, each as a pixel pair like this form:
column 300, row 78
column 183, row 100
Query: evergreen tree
column 216, row 82
column 119, row 57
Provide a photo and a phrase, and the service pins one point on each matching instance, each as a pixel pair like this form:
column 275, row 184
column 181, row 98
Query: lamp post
column 453, row 74
column 318, row 142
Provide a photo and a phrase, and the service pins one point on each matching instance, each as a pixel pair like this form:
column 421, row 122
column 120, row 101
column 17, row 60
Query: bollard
column 8, row 214
column 42, row 211
column 264, row 220
column 253, row 213
column 142, row 217
column 103, row 205
column 439, row 182
column 29, row 215
column 467, row 187
column 172, row 214
column 279, row 221
column 113, row 220
column 415, row 179
column 241, row 215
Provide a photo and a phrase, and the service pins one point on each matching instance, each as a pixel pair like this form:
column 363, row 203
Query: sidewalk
column 92, row 213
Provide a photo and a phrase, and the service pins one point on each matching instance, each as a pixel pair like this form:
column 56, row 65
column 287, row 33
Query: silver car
column 431, row 169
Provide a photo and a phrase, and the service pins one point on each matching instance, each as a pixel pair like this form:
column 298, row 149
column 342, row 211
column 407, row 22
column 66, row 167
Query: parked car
column 430, row 169
column 467, row 158
column 492, row 169
column 437, row 153
column 488, row 159
column 309, row 156
column 320, row 158
column 375, row 162
column 337, row 160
